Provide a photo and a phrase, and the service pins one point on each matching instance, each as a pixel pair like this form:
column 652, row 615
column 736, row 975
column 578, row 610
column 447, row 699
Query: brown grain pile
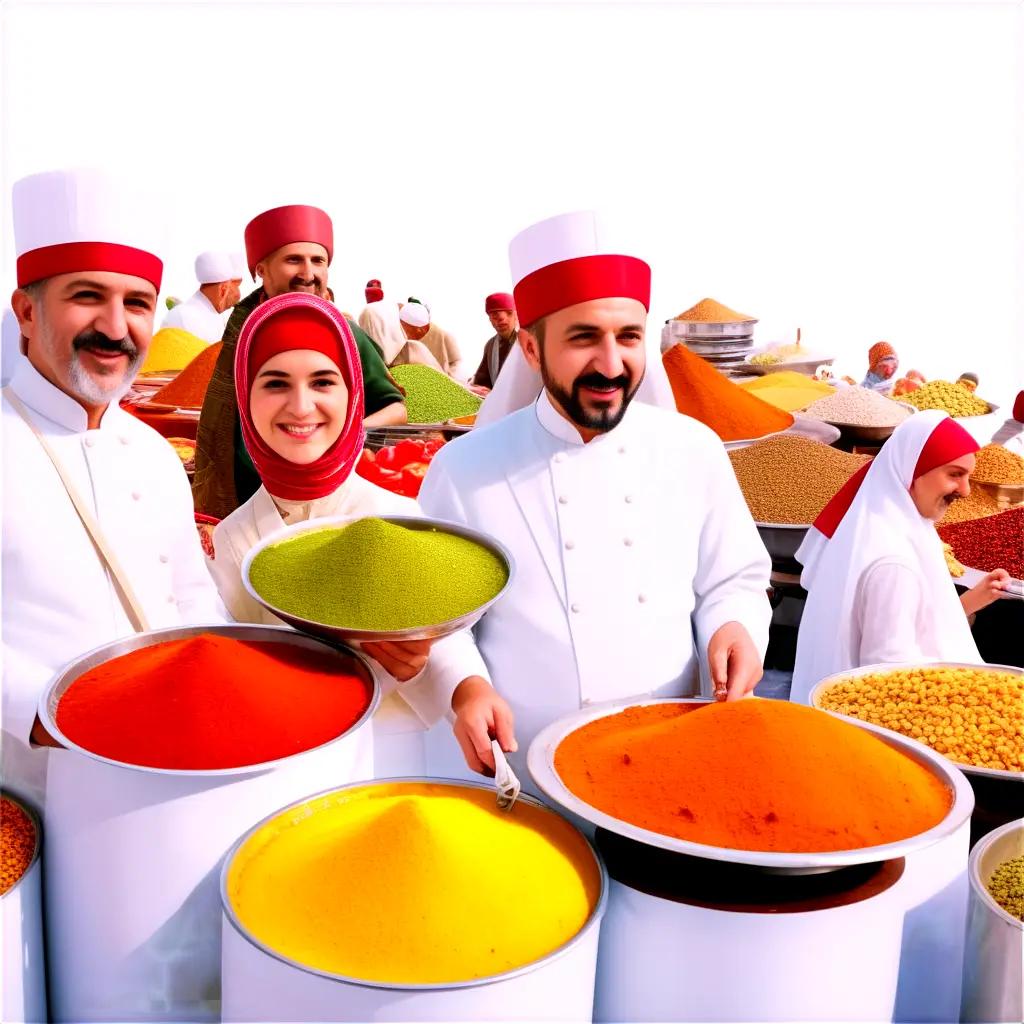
column 998, row 465
column 707, row 311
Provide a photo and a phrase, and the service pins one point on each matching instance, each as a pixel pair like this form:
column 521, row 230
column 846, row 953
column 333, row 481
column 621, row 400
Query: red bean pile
column 995, row 542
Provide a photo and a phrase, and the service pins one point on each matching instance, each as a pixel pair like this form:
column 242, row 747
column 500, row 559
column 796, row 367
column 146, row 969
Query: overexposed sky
column 852, row 169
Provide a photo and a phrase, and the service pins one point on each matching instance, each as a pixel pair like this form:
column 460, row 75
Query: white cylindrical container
column 134, row 854
column 261, row 984
column 691, row 940
column 24, row 969
column 993, row 983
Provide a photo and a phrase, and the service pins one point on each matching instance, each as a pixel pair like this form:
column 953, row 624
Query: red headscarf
column 946, row 443
column 283, row 324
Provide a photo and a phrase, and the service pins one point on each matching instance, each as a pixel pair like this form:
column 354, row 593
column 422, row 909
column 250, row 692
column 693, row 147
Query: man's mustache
column 96, row 339
column 599, row 380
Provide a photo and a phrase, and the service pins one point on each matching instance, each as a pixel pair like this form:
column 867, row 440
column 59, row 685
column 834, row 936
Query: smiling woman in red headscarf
column 300, row 400
column 878, row 589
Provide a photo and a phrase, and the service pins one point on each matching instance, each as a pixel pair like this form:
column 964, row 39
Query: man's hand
column 480, row 714
column 986, row 592
column 403, row 659
column 735, row 664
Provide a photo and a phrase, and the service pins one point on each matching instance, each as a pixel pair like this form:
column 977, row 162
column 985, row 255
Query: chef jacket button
column 560, row 457
column 165, row 559
column 90, row 440
column 576, row 608
column 563, row 499
column 628, row 541
column 123, row 439
column 570, row 544
column 629, row 499
column 622, row 449
column 641, row 598
column 171, row 599
column 586, row 702
column 136, row 496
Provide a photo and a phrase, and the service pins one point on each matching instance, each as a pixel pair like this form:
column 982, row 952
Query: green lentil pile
column 375, row 575
column 1007, row 887
column 943, row 394
column 790, row 479
column 432, row 397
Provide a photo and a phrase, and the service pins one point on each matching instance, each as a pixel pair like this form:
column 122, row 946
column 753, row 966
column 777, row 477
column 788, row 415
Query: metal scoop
column 505, row 779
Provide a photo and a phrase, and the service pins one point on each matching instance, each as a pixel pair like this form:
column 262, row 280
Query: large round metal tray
column 341, row 633
column 806, row 366
column 541, row 762
column 348, row 661
column 818, row 692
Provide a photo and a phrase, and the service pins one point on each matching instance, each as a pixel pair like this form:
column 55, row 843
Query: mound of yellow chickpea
column 974, row 716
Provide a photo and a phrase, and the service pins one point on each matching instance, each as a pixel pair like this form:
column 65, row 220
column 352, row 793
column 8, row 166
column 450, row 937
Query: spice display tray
column 806, row 366
column 343, row 634
column 541, row 763
column 819, row 691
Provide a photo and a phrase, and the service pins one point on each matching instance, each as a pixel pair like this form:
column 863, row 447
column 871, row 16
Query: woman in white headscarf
column 878, row 589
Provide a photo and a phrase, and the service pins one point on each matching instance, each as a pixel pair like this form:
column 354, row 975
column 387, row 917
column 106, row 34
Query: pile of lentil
column 17, row 843
column 947, row 396
column 1006, row 886
column 433, row 397
column 790, row 479
column 375, row 575
column 188, row 389
column 998, row 465
column 414, row 883
column 171, row 350
column 858, row 407
column 708, row 311
column 702, row 392
column 974, row 716
column 674, row 770
column 788, row 390
column 994, row 542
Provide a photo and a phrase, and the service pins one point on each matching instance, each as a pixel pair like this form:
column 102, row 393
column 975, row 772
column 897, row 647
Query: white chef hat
column 415, row 314
column 238, row 266
column 85, row 219
column 216, row 266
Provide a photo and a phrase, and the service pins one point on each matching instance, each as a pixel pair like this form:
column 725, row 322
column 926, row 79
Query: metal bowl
column 348, row 661
column 341, row 633
column 818, row 692
column 1007, row 495
column 541, row 762
column 747, row 441
column 782, row 541
column 816, row 430
column 700, row 329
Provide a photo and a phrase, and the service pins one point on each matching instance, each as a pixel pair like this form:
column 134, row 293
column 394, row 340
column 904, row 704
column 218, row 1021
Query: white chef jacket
column 630, row 552
column 58, row 598
column 198, row 316
column 407, row 709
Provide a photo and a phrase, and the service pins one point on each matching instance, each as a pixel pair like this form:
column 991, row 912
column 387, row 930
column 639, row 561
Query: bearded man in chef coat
column 88, row 280
column 636, row 557
column 205, row 314
column 289, row 248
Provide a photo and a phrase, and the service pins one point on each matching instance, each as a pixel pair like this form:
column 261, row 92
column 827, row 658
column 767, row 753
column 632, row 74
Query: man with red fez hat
column 99, row 539
column 637, row 563
column 878, row 588
column 289, row 249
column 501, row 311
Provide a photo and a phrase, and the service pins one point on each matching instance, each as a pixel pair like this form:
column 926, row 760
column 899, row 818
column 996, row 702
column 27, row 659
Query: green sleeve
column 380, row 387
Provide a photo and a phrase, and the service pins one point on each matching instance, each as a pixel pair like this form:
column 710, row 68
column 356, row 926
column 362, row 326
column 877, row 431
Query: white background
column 852, row 169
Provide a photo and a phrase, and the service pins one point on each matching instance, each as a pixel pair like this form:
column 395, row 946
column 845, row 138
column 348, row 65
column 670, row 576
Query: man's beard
column 602, row 420
column 88, row 386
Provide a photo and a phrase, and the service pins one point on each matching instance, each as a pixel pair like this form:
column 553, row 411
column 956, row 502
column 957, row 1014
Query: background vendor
column 882, row 366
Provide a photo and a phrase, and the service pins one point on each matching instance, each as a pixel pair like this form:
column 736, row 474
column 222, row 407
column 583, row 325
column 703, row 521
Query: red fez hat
column 499, row 301
column 284, row 224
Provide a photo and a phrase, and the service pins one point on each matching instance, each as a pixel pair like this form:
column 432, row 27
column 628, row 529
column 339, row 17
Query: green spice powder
column 432, row 397
column 377, row 575
column 1007, row 887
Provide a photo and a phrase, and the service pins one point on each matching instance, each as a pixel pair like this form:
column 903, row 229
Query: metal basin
column 343, row 633
column 782, row 541
column 541, row 762
column 818, row 693
column 691, row 329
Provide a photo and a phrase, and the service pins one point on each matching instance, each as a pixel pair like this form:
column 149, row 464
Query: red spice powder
column 211, row 702
column 995, row 542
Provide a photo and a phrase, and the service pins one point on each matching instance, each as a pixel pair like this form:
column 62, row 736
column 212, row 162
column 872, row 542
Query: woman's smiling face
column 298, row 404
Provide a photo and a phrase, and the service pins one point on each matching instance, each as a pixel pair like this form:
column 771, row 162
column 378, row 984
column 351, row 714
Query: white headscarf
column 881, row 523
column 518, row 386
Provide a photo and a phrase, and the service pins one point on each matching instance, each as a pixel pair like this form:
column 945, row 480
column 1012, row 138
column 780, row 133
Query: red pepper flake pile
column 211, row 702
column 17, row 843
column 995, row 542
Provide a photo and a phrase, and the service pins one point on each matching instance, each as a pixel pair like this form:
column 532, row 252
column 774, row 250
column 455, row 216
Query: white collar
column 561, row 428
column 201, row 296
column 49, row 401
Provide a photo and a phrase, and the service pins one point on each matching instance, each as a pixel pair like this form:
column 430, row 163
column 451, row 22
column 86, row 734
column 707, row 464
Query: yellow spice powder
column 414, row 883
column 788, row 390
column 171, row 350
column 709, row 311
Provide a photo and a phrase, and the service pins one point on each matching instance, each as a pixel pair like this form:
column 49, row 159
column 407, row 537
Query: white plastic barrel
column 134, row 854
column 692, row 940
column 24, row 970
column 993, row 983
column 263, row 985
